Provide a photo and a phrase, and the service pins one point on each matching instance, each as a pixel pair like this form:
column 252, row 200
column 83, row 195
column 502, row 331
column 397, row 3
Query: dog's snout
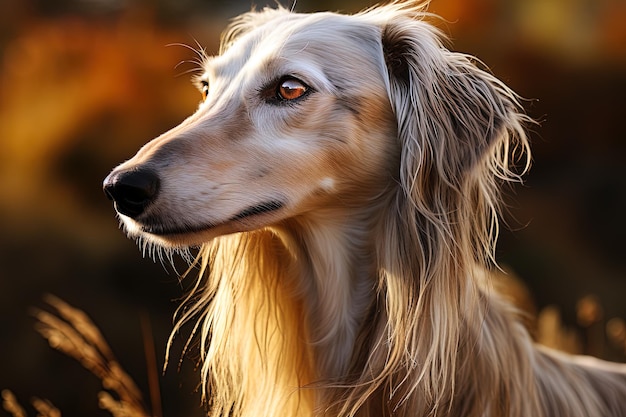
column 132, row 191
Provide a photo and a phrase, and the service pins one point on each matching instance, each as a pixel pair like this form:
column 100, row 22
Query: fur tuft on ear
column 460, row 130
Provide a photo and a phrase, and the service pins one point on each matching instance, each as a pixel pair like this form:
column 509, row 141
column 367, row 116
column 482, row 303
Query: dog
column 341, row 178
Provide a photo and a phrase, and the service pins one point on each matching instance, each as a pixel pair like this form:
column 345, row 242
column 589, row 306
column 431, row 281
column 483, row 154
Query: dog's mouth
column 262, row 208
column 156, row 226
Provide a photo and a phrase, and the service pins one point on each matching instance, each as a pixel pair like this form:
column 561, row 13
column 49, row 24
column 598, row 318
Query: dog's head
column 307, row 112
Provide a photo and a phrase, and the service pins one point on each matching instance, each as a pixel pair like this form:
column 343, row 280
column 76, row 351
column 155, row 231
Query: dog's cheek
column 368, row 129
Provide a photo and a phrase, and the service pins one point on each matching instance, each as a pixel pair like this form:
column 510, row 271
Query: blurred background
column 84, row 83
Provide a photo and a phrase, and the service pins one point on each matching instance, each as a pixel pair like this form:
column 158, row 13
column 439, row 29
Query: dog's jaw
column 172, row 234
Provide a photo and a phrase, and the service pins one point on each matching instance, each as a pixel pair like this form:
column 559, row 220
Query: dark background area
column 84, row 83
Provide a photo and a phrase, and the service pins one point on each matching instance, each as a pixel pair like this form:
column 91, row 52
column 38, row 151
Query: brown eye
column 204, row 90
column 291, row 89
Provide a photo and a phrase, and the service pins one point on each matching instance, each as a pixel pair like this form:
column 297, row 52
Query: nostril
column 132, row 191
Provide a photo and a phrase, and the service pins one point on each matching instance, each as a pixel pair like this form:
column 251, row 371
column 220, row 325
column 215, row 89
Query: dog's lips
column 159, row 228
column 166, row 230
column 262, row 208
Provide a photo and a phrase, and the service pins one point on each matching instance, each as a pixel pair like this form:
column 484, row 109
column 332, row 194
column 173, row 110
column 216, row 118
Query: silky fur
column 365, row 295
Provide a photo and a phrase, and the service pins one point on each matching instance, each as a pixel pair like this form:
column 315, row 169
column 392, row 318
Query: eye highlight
column 204, row 89
column 290, row 88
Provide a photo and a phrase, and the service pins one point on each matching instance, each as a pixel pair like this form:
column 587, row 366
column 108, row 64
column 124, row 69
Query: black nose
column 132, row 191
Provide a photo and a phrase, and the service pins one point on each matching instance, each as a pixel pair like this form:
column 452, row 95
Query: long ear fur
column 459, row 128
column 460, row 132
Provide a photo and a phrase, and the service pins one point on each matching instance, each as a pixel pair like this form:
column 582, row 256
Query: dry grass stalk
column 11, row 405
column 45, row 408
column 118, row 408
column 551, row 332
column 616, row 331
column 72, row 332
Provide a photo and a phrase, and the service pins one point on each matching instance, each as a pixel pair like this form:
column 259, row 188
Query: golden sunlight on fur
column 342, row 178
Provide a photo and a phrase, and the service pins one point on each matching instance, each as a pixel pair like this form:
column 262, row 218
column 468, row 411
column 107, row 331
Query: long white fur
column 365, row 295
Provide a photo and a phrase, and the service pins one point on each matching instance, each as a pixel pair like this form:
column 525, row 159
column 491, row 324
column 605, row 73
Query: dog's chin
column 178, row 238
column 173, row 237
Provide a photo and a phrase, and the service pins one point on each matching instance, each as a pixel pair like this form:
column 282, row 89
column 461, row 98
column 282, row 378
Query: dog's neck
column 335, row 262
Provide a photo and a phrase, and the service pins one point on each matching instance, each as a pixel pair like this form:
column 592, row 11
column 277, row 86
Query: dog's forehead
column 299, row 37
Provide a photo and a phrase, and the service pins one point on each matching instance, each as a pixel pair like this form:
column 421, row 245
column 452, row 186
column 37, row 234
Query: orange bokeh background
column 84, row 83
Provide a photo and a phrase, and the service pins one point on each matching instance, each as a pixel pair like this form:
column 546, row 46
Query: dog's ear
column 454, row 112
column 460, row 131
